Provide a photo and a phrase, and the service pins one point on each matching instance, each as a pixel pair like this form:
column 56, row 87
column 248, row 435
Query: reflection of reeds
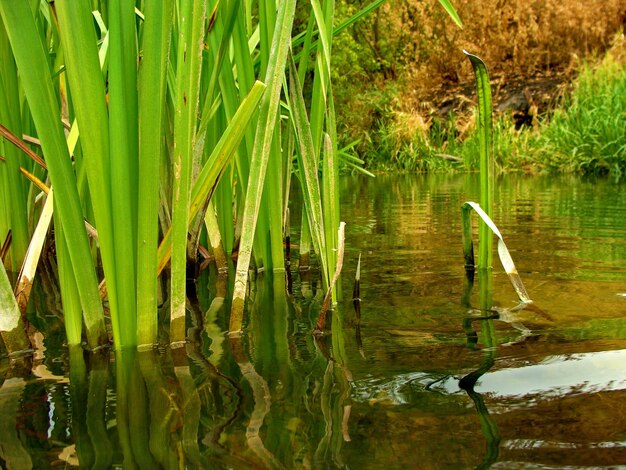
column 467, row 383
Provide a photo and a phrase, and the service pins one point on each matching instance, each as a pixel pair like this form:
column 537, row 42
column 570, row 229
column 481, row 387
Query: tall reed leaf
column 14, row 188
column 307, row 165
column 451, row 11
column 87, row 89
column 123, row 138
column 261, row 152
column 151, row 114
column 212, row 170
column 31, row 60
column 483, row 90
column 189, row 58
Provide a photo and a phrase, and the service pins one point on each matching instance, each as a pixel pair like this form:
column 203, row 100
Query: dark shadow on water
column 468, row 382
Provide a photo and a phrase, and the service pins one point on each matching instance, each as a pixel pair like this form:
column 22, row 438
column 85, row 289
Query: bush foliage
column 392, row 66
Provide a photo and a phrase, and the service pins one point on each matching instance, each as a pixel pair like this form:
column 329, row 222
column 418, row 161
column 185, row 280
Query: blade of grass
column 68, row 287
column 37, row 84
column 14, row 186
column 321, row 321
column 307, row 164
column 151, row 115
column 483, row 90
column 221, row 156
column 451, row 11
column 189, row 58
column 260, row 155
column 27, row 272
column 123, row 145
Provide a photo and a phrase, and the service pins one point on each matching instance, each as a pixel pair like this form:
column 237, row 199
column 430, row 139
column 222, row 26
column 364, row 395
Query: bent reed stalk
column 166, row 102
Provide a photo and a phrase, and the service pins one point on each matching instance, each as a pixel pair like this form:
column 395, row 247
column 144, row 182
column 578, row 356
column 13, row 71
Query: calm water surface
column 424, row 379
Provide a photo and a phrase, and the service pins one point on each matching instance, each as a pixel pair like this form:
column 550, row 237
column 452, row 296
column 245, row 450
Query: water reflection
column 426, row 373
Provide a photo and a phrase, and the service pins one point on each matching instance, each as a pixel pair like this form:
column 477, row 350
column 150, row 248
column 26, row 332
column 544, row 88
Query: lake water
column 424, row 378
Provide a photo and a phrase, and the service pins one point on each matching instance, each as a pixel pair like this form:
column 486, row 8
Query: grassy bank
column 583, row 133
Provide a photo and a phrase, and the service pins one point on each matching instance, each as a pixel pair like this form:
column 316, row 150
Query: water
column 425, row 379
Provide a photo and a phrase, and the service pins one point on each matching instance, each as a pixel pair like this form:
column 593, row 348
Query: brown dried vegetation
column 407, row 56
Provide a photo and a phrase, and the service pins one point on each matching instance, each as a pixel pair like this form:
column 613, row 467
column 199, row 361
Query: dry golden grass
column 414, row 60
column 517, row 37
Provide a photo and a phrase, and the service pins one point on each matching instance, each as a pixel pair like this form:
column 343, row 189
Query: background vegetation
column 405, row 92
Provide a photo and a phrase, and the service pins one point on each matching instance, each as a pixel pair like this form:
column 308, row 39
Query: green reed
column 187, row 121
column 484, row 130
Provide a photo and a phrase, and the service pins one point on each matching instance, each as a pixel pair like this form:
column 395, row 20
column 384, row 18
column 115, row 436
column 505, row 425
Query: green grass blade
column 307, row 163
column 268, row 112
column 301, row 38
column 123, row 138
column 483, row 90
column 67, row 283
column 221, row 156
column 189, row 58
column 452, row 12
column 16, row 191
column 37, row 84
column 151, row 115
column 231, row 13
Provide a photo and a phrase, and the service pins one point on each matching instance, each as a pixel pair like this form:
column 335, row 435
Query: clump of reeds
column 161, row 126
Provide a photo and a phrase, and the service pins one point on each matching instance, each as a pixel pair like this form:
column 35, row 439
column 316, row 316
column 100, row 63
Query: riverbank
column 417, row 113
column 546, row 124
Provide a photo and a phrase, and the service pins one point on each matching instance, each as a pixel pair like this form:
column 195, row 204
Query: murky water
column 425, row 378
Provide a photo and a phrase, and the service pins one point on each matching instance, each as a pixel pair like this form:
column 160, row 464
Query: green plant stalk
column 87, row 87
column 451, row 12
column 189, row 59
column 321, row 81
column 245, row 78
column 261, row 249
column 333, row 213
column 483, row 90
column 214, row 74
column 215, row 237
column 303, row 59
column 264, row 132
column 151, row 114
column 225, row 34
column 123, row 138
column 30, row 56
column 273, row 198
column 224, row 216
column 215, row 166
column 14, row 187
column 330, row 176
column 307, row 164
column 268, row 242
column 71, row 305
column 329, row 206
column 305, row 231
